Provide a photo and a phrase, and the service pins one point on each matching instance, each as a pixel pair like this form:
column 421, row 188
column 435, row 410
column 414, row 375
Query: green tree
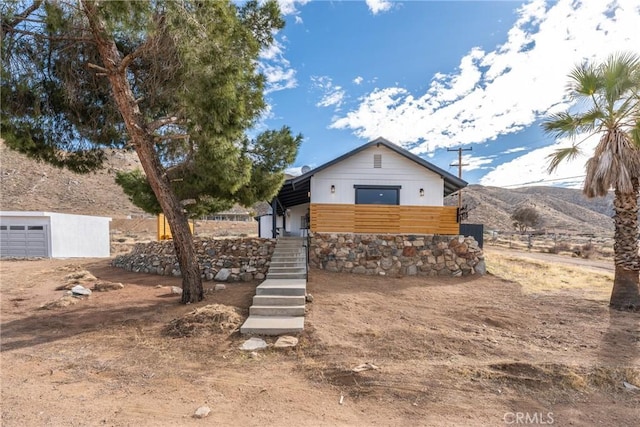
column 608, row 97
column 176, row 81
column 524, row 218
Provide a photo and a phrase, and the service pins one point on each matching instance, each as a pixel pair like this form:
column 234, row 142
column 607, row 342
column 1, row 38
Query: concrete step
column 286, row 276
column 286, row 258
column 290, row 252
column 288, row 264
column 270, row 325
column 276, row 269
column 276, row 310
column 286, row 300
column 291, row 287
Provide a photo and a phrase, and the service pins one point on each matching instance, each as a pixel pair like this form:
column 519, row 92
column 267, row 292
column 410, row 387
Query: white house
column 377, row 188
column 53, row 235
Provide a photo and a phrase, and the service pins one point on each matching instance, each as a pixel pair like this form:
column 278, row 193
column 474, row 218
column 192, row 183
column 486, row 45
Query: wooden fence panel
column 386, row 219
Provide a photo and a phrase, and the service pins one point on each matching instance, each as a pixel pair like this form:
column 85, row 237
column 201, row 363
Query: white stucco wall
column 79, row 236
column 294, row 219
column 69, row 236
column 396, row 170
column 266, row 226
column 293, row 222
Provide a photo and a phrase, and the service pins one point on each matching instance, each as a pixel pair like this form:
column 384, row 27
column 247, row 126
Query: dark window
column 35, row 227
column 16, row 227
column 377, row 195
column 3, row 227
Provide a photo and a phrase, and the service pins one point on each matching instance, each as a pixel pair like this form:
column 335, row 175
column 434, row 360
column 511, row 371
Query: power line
column 543, row 181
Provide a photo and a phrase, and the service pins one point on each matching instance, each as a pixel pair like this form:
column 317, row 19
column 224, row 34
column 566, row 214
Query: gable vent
column 377, row 160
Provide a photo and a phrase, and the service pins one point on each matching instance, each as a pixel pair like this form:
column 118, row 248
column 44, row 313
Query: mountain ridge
column 28, row 185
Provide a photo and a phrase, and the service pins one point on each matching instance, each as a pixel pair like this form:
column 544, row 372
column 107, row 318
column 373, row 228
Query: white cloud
column 358, row 80
column 470, row 162
column 276, row 68
column 299, row 20
column 514, row 150
column 531, row 168
column 377, row 6
column 332, row 95
column 288, row 7
column 504, row 90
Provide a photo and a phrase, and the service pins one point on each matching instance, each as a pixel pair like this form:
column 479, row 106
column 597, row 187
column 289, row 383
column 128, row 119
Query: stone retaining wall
column 225, row 260
column 396, row 255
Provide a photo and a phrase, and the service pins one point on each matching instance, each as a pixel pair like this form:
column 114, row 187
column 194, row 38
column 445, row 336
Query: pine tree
column 175, row 81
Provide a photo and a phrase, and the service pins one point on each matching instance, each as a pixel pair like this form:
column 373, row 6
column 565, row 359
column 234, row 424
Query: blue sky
column 431, row 76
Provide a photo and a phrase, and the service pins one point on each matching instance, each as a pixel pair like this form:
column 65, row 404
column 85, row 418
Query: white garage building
column 53, row 235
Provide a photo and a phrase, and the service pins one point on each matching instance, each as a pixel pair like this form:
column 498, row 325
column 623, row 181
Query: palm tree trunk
column 626, row 284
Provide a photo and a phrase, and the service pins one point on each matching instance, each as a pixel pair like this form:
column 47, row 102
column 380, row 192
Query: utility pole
column 459, row 165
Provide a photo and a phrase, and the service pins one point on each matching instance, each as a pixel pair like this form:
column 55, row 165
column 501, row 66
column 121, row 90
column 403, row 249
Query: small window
column 377, row 161
column 35, row 227
column 3, row 227
column 16, row 227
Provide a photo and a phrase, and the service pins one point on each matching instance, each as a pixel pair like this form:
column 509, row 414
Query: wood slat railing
column 385, row 219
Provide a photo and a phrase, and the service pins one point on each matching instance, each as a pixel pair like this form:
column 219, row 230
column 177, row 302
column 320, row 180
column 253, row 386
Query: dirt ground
column 450, row 352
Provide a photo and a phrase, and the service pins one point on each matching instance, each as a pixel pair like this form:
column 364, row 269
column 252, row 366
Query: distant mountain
column 562, row 210
column 28, row 185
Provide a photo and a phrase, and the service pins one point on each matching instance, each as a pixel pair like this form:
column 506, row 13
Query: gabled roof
column 451, row 182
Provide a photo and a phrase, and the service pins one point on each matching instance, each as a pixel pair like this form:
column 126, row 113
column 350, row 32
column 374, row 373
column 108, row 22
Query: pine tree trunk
column 626, row 284
column 142, row 141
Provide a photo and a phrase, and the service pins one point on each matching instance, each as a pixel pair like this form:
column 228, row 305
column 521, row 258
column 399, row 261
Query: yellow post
column 164, row 231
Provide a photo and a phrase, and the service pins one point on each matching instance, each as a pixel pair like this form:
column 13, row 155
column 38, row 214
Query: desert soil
column 450, row 352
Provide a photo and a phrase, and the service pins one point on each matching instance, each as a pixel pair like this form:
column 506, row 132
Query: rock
column 254, row 344
column 77, row 277
column 220, row 287
column 65, row 301
column 481, row 268
column 202, row 412
column 80, row 290
column 254, row 355
column 365, row 367
column 176, row 290
column 101, row 286
column 308, row 298
column 630, row 386
column 223, row 274
column 286, row 341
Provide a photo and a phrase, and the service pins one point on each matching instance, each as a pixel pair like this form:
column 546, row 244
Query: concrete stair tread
column 282, row 287
column 286, row 300
column 286, row 275
column 290, row 283
column 279, row 306
column 272, row 325
column 276, row 310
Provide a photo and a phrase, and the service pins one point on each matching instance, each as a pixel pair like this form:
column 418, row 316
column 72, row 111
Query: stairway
column 278, row 306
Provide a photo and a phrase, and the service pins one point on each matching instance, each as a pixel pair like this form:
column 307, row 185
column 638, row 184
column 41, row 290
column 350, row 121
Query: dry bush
column 559, row 247
column 207, row 320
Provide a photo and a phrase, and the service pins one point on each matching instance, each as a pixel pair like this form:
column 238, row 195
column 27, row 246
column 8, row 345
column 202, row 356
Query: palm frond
column 567, row 124
column 560, row 155
column 619, row 75
column 584, row 81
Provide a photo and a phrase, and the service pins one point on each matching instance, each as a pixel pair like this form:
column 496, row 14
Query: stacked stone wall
column 226, row 260
column 396, row 255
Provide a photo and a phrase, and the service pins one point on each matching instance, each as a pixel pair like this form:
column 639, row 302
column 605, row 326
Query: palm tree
column 608, row 104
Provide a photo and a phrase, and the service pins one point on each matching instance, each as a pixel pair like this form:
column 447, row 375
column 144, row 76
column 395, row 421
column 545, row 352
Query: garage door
column 23, row 241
